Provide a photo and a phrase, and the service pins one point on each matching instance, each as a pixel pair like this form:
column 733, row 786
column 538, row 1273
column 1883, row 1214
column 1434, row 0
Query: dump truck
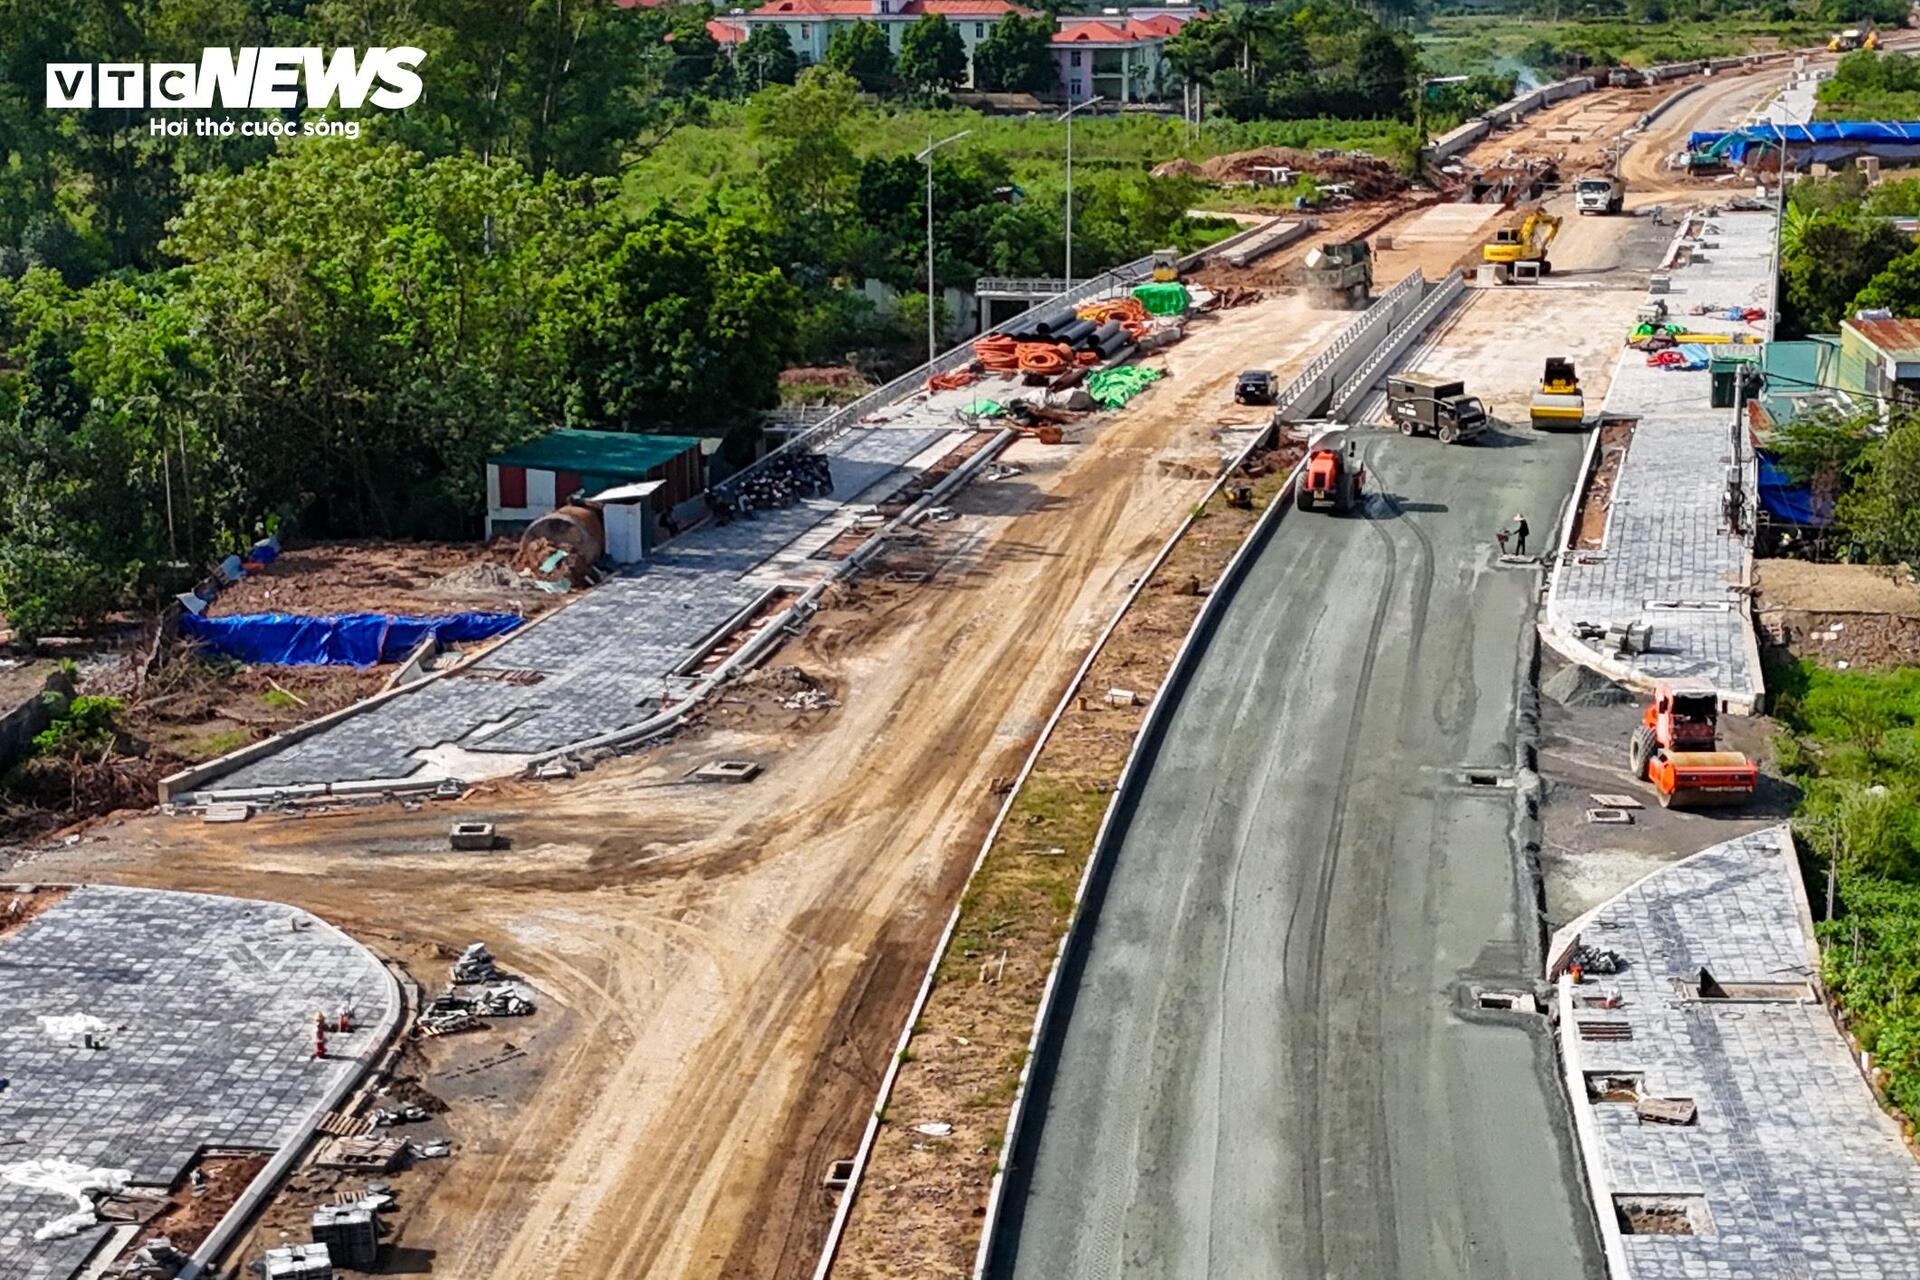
column 1520, row 252
column 1339, row 275
column 1426, row 405
column 1558, row 402
column 1599, row 193
column 1254, row 386
column 1676, row 748
column 1334, row 475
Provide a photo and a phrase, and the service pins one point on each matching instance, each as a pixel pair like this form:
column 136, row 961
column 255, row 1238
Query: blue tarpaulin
column 1785, row 500
column 1841, row 134
column 350, row 639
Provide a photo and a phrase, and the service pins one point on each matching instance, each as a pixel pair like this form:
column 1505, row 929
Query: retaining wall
column 1396, row 343
column 29, row 718
column 1512, row 111
column 1309, row 393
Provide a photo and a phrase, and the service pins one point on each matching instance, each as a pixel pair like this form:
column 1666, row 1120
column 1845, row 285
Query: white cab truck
column 1599, row 193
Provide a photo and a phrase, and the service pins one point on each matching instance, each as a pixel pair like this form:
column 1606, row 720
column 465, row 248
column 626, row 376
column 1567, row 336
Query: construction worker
column 1519, row 534
column 1501, row 538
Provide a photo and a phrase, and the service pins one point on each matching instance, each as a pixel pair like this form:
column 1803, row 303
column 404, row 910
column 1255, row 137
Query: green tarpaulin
column 1169, row 299
column 984, row 409
column 1112, row 388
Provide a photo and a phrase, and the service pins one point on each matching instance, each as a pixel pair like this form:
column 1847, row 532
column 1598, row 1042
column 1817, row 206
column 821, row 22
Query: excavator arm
column 1538, row 232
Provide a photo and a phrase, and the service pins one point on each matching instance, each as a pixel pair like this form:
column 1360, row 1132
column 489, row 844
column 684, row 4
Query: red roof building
column 809, row 24
column 1119, row 58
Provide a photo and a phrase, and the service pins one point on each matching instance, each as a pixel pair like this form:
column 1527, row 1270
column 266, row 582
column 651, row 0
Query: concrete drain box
column 725, row 771
column 471, row 837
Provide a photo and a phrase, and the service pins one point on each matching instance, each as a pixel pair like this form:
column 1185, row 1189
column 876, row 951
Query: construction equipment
column 1675, row 747
column 1255, row 386
column 1599, row 193
column 1558, row 402
column 1626, row 77
column 1520, row 253
column 1853, row 38
column 1166, row 265
column 1334, row 474
column 1427, row 405
column 1339, row 275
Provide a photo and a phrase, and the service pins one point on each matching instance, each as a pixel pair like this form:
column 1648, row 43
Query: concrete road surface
column 1264, row 1072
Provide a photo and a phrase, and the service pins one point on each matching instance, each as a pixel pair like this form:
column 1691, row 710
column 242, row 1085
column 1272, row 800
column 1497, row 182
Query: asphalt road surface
column 1264, row 1071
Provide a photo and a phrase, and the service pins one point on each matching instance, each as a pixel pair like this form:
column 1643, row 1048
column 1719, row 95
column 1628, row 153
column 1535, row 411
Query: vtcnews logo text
column 243, row 78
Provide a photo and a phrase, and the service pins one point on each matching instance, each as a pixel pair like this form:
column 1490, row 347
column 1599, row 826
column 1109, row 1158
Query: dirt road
column 723, row 970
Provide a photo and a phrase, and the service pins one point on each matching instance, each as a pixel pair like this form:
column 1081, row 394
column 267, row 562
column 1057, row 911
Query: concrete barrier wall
column 1308, row 393
column 20, row 726
column 1396, row 344
column 1512, row 111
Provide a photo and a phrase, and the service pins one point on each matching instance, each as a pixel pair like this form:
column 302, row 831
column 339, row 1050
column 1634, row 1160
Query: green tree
column 1836, row 255
column 932, row 54
column 1017, row 57
column 859, row 50
column 808, row 173
column 1896, row 287
column 1882, row 510
column 766, row 57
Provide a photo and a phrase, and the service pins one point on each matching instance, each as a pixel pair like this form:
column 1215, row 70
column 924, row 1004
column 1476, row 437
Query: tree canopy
column 932, row 54
column 1017, row 56
column 859, row 50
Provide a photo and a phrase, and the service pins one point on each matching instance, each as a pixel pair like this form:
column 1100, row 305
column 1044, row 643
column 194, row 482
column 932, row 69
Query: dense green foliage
column 1872, row 86
column 1017, row 57
column 1849, row 740
column 1840, row 254
column 349, row 333
column 859, row 50
column 1296, row 59
column 1868, row 472
column 932, row 55
column 1552, row 38
column 86, row 725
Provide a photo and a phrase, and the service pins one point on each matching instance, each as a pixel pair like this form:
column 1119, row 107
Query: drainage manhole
column 1614, row 817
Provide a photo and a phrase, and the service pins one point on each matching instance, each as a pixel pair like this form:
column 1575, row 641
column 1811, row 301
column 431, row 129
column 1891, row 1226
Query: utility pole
column 1067, row 116
column 932, row 300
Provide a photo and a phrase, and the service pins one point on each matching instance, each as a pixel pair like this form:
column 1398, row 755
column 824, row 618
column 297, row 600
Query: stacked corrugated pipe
column 1097, row 333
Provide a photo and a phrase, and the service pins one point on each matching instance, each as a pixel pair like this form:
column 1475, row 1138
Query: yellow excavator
column 1520, row 253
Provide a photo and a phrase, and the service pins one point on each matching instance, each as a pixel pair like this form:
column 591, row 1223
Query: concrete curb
column 838, row 1226
column 1665, row 104
column 1587, row 1132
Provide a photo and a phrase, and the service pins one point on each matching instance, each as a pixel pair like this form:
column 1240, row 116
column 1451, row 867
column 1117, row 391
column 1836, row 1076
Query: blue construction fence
column 349, row 639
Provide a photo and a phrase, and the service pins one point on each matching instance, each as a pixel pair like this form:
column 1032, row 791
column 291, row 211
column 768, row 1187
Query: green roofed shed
column 531, row 479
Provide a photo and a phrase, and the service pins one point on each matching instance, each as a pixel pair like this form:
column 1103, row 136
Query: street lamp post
column 1420, row 112
column 1067, row 116
column 927, row 156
